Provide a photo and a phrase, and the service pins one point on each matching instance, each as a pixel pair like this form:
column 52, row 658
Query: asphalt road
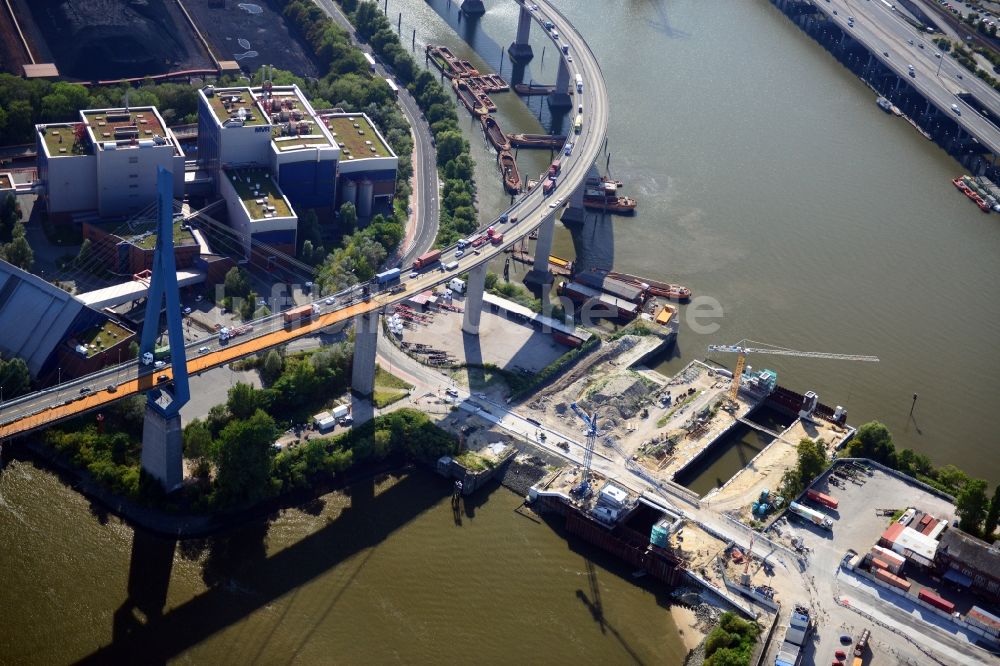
column 532, row 209
column 424, row 154
column 882, row 30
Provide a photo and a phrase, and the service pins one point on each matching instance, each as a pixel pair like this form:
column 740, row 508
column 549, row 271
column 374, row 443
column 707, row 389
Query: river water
column 768, row 180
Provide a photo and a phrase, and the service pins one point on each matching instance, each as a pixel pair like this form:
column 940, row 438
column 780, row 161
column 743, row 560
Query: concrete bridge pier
column 365, row 346
column 474, row 289
column 539, row 273
column 560, row 99
column 163, row 447
column 473, row 7
column 520, row 50
column 575, row 211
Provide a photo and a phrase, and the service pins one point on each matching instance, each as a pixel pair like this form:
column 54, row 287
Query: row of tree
column 458, row 213
column 14, row 246
column 27, row 102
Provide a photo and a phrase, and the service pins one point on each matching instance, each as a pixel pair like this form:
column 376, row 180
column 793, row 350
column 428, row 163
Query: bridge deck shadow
column 240, row 555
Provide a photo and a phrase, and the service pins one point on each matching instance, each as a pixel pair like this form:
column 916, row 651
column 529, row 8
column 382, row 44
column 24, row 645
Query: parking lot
column 859, row 521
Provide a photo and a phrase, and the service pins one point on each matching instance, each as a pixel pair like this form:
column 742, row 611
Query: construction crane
column 742, row 349
column 588, row 453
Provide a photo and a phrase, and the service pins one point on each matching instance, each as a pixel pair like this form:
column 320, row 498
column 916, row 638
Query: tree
column 348, row 217
column 198, row 440
column 10, row 213
column 14, row 378
column 248, row 306
column 450, row 145
column 993, row 516
column 18, row 251
column 952, row 477
column 133, row 349
column 244, row 460
column 970, row 506
column 85, row 253
column 272, row 365
column 237, row 283
column 812, row 459
column 309, row 229
column 243, row 400
column 874, row 441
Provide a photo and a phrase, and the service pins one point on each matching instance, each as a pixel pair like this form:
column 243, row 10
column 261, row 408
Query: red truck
column 936, row 601
column 555, row 168
column 823, row 499
column 426, row 259
column 478, row 241
column 548, row 186
column 496, row 238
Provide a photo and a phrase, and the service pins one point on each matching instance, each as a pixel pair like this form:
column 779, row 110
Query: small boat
column 468, row 99
column 884, row 104
column 533, row 89
column 496, row 135
column 508, row 167
column 604, row 181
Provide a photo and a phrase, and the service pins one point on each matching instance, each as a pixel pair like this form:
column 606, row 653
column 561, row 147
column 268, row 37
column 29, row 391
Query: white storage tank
column 349, row 192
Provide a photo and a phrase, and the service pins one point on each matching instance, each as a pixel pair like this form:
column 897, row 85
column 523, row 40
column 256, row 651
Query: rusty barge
column 508, row 167
column 537, row 140
column 493, row 132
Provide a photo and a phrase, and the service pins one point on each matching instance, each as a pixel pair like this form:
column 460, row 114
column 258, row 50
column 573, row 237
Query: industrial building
column 46, row 326
column 105, row 163
column 971, row 563
column 272, row 138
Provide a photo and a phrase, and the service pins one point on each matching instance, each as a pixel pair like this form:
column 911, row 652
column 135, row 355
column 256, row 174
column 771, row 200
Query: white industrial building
column 106, row 163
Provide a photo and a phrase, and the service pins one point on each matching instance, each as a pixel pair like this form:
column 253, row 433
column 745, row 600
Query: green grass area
column 482, row 378
column 254, row 115
column 353, row 132
column 384, row 379
column 268, row 191
column 103, row 337
column 148, row 242
column 61, row 141
column 472, row 461
column 383, row 397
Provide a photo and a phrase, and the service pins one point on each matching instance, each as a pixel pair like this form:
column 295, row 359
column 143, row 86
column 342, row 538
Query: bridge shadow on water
column 594, row 242
column 243, row 578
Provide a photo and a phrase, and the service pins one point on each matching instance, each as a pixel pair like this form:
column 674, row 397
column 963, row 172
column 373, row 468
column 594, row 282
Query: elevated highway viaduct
column 533, row 210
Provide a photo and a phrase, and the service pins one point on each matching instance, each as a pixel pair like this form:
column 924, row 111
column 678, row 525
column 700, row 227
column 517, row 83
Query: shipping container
column 812, row 516
column 568, row 340
column 548, row 186
column 427, row 258
column 388, row 276
column 893, row 580
column 936, row 601
column 822, row 498
column 862, row 644
column 555, row 167
column 879, row 564
column 796, row 635
column 295, row 314
column 894, row 561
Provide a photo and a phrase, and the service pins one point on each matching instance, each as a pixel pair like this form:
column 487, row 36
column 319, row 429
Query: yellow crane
column 742, row 348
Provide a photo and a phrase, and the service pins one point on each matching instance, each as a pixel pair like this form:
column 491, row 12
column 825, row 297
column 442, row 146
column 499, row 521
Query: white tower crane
column 743, row 349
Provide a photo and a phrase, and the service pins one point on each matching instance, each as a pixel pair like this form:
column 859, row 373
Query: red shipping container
column 823, row 499
column 879, row 564
column 936, row 601
column 895, row 581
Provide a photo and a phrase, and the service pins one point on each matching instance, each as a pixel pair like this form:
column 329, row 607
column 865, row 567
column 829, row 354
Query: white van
column 451, row 266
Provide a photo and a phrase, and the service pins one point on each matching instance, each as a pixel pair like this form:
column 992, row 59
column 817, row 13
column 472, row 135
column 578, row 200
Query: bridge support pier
column 163, row 447
column 473, row 7
column 520, row 50
column 539, row 273
column 365, row 346
column 560, row 99
column 575, row 211
column 474, row 300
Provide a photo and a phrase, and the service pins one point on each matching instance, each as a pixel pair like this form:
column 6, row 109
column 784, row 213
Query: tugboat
column 508, row 167
column 884, row 104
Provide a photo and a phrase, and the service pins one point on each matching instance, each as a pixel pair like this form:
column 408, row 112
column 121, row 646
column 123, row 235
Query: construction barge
column 533, row 89
column 508, row 168
column 449, row 64
column 602, row 194
column 537, row 141
column 470, row 100
column 496, row 136
column 669, row 290
column 631, row 526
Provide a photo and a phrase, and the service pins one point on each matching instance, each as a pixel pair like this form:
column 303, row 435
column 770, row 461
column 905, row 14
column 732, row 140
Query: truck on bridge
column 426, row 259
column 385, row 277
column 300, row 313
